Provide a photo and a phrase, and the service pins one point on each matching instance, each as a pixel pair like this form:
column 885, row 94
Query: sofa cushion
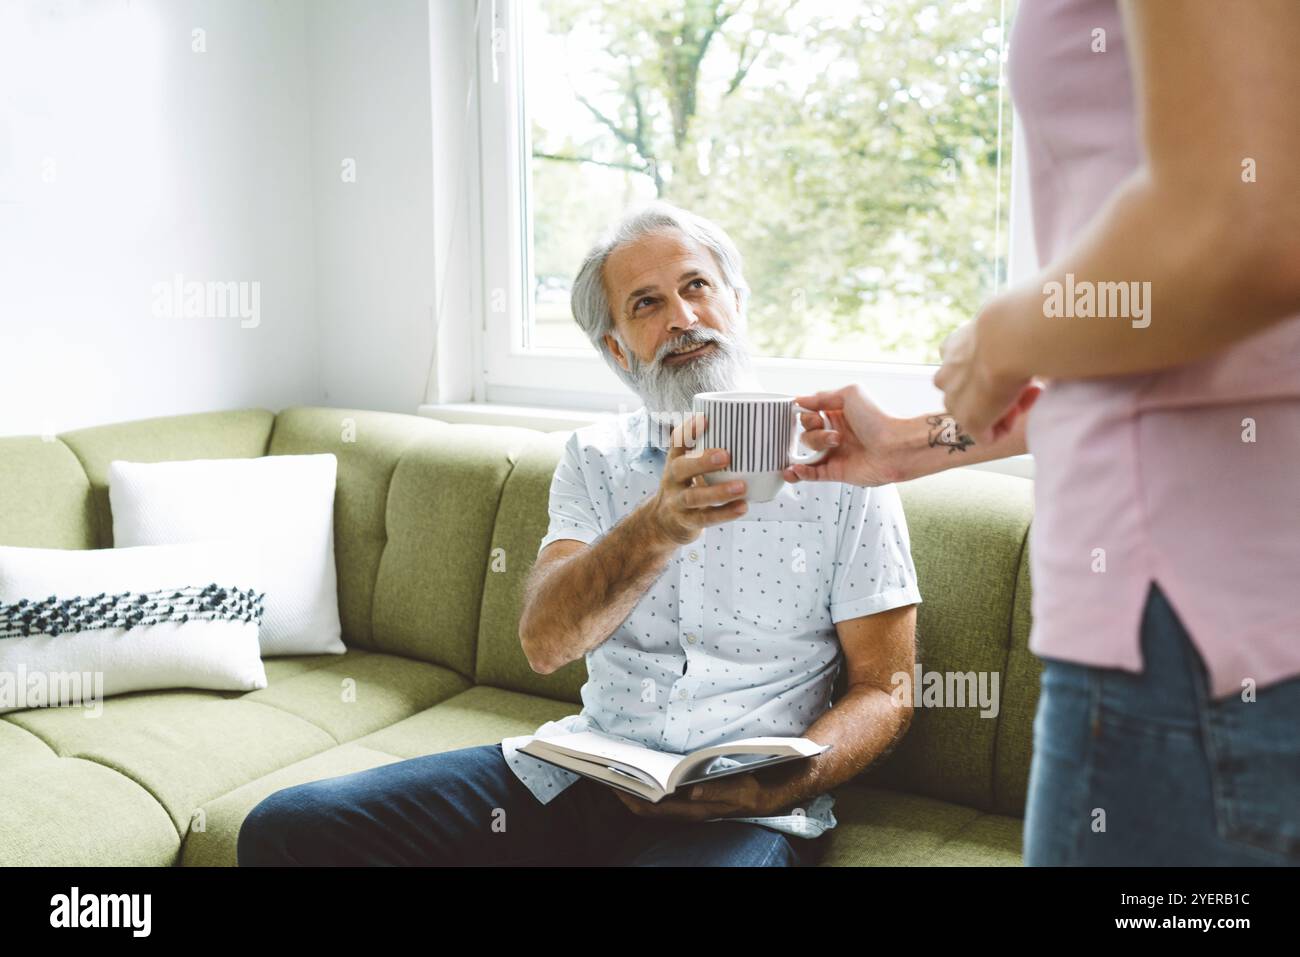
column 183, row 747
column 368, row 446
column 187, row 747
column 441, row 508
column 885, row 828
column 76, row 813
column 522, row 519
column 356, row 694
column 479, row 715
column 202, row 435
column 213, row 836
column 964, row 624
column 1024, row 671
column 411, row 542
column 47, row 499
column 476, row 716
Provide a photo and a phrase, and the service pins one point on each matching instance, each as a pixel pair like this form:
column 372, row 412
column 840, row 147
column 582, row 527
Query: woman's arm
column 1216, row 87
column 871, row 448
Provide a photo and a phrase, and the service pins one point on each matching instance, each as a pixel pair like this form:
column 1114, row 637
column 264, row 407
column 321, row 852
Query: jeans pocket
column 1255, row 769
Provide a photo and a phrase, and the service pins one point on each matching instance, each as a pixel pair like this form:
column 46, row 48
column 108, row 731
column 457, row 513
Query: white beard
column 668, row 391
column 671, row 389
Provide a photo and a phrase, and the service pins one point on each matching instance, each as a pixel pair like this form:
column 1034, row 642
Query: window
column 858, row 151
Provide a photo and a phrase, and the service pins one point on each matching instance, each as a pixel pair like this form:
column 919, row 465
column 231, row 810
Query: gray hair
column 591, row 306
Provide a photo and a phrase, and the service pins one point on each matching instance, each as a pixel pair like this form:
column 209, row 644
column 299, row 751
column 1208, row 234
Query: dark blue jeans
column 1148, row 769
column 466, row 807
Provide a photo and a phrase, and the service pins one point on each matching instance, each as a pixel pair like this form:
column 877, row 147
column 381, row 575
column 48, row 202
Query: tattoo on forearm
column 945, row 431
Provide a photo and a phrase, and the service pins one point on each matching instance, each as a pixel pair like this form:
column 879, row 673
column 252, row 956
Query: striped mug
column 761, row 431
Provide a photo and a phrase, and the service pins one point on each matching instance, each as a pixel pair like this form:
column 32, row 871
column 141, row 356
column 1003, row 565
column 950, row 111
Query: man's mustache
column 691, row 339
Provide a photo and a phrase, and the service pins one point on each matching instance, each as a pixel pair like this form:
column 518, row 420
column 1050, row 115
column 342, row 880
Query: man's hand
column 685, row 503
column 736, row 795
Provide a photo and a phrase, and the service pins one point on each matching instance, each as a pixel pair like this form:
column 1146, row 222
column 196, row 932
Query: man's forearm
column 862, row 727
column 574, row 606
column 927, row 444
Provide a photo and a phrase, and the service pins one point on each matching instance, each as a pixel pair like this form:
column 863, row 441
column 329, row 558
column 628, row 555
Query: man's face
column 667, row 295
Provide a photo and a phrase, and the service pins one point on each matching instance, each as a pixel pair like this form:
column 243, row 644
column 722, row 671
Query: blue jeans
column 466, row 807
column 1148, row 769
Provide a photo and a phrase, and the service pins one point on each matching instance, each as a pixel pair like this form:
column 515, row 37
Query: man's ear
column 614, row 347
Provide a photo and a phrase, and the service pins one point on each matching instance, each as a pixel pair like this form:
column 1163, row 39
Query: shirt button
column 681, row 695
column 691, row 638
column 693, row 555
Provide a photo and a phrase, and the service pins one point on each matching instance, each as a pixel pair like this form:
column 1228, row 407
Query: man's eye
column 702, row 282
column 644, row 301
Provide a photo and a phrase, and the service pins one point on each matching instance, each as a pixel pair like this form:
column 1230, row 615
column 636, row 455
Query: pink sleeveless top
column 1149, row 477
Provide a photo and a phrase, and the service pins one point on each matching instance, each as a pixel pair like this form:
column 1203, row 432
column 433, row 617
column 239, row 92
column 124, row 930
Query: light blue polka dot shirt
column 736, row 638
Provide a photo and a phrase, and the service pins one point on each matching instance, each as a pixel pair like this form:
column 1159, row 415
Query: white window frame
column 564, row 379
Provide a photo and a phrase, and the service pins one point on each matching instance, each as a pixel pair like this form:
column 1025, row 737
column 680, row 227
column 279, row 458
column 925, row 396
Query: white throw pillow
column 284, row 503
column 78, row 625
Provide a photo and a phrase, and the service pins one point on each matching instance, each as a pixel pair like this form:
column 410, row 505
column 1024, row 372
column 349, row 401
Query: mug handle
column 812, row 457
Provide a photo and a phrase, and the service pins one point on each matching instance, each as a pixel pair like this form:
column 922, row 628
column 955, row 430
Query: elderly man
column 702, row 619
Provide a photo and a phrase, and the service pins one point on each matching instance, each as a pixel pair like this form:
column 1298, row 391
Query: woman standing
column 1162, row 145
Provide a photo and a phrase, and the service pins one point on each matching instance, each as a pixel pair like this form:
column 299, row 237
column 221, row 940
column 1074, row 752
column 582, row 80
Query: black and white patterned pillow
column 80, row 625
column 56, row 615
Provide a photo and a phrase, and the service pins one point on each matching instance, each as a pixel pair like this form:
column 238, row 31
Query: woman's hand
column 984, row 401
column 862, row 440
column 869, row 448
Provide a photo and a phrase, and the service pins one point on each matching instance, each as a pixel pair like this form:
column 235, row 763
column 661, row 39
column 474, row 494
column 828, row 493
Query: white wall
column 125, row 158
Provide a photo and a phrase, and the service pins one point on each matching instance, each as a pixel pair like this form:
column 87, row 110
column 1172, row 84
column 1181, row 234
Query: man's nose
column 682, row 314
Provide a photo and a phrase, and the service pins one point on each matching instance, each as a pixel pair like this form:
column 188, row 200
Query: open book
column 654, row 775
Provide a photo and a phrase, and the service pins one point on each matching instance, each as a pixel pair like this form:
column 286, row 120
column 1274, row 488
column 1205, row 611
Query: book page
column 588, row 744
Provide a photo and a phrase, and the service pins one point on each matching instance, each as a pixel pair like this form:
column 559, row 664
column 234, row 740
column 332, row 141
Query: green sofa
column 429, row 611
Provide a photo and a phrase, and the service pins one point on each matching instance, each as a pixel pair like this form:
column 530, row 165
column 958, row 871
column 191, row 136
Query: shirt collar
column 646, row 439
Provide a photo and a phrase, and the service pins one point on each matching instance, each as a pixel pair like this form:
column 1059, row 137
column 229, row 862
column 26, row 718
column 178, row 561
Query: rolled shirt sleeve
column 873, row 555
column 573, row 514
